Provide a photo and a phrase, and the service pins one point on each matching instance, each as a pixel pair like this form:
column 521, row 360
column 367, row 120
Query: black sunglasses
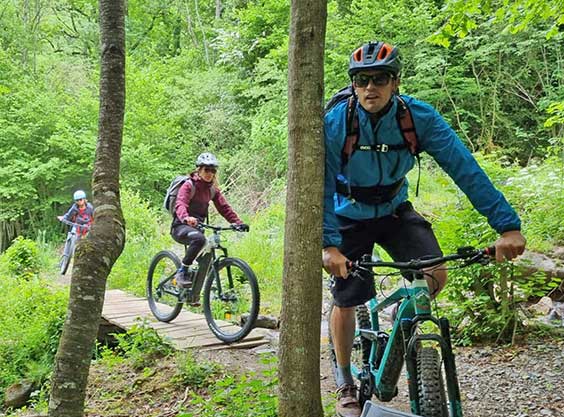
column 381, row 79
column 213, row 170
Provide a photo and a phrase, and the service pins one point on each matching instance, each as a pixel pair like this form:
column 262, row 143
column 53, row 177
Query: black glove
column 241, row 227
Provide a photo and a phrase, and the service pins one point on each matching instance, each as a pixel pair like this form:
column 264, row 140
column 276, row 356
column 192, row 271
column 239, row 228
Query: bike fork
column 450, row 370
column 410, row 366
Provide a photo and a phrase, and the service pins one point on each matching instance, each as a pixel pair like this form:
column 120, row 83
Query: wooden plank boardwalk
column 188, row 330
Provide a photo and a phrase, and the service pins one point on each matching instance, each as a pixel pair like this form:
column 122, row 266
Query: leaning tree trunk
column 299, row 389
column 97, row 253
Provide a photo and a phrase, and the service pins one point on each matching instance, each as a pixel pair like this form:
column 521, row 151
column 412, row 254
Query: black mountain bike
column 230, row 290
column 70, row 244
column 417, row 338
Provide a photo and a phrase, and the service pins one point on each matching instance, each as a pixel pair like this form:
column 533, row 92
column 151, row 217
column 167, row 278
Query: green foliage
column 147, row 234
column 538, row 189
column 22, row 258
column 142, row 345
column 195, row 372
column 239, row 396
column 262, row 249
column 198, row 80
column 481, row 300
column 31, row 319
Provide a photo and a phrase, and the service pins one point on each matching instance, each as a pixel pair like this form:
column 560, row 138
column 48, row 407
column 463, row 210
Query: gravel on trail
column 520, row 381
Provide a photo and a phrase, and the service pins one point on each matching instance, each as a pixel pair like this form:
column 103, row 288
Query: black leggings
column 190, row 236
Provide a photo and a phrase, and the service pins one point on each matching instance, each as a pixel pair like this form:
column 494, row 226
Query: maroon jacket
column 197, row 206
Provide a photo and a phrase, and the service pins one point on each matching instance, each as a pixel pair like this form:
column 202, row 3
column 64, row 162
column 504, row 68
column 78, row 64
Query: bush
column 31, row 321
column 22, row 258
column 142, row 345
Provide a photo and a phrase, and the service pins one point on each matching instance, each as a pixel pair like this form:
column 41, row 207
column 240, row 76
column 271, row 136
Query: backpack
column 403, row 117
column 169, row 202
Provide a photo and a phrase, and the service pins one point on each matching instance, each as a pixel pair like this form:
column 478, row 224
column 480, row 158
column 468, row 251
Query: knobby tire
column 224, row 299
column 162, row 292
column 430, row 385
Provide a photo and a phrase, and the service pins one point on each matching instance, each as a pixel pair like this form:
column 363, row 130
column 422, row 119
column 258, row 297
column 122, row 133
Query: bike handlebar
column 232, row 227
column 470, row 254
column 68, row 222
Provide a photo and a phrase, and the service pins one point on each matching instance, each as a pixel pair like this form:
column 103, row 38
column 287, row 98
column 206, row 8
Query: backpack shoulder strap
column 352, row 131
column 407, row 126
column 192, row 187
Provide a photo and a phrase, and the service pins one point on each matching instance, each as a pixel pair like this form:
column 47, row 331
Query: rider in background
column 191, row 208
column 366, row 201
column 81, row 213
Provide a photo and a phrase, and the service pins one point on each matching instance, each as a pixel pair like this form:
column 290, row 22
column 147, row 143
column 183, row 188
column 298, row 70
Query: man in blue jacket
column 366, row 202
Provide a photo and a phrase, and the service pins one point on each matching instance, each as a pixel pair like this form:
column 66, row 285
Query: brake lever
column 355, row 270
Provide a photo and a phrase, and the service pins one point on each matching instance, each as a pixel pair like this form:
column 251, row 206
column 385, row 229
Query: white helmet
column 207, row 159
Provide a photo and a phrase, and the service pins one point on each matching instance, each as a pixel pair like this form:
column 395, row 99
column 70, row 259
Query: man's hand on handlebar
column 335, row 262
column 510, row 245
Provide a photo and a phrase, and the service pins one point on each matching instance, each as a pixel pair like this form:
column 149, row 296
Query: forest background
column 212, row 76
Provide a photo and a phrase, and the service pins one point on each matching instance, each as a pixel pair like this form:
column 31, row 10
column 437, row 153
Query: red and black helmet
column 375, row 56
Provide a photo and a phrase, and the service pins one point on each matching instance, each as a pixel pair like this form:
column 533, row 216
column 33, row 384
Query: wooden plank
column 125, row 313
column 177, row 322
column 209, row 339
column 186, row 332
column 239, row 345
column 189, row 330
column 119, row 316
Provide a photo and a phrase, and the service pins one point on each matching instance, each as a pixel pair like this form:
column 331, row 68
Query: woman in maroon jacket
column 192, row 207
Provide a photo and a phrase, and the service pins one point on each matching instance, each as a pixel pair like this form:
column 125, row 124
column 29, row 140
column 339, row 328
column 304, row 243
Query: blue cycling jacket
column 369, row 168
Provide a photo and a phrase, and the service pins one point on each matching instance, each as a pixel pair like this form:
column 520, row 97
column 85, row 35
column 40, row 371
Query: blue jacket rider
column 366, row 201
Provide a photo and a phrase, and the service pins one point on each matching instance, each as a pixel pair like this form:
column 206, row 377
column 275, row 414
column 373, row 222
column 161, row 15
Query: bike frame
column 207, row 259
column 72, row 237
column 415, row 309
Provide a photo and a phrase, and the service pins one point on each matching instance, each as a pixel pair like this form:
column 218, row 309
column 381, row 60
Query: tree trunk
column 97, row 253
column 301, row 293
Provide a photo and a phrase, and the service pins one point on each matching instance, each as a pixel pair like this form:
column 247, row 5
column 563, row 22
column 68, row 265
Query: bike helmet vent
column 207, row 159
column 375, row 56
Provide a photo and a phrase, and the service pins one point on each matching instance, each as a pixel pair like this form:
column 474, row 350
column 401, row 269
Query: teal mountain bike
column 417, row 338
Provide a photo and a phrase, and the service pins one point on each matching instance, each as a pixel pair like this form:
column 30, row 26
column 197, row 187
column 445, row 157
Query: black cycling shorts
column 404, row 235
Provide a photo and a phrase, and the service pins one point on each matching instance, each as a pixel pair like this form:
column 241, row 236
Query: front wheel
column 231, row 299
column 67, row 254
column 162, row 293
column 430, row 385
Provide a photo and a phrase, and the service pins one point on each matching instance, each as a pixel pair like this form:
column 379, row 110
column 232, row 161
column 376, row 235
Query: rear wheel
column 162, row 293
column 231, row 299
column 430, row 384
